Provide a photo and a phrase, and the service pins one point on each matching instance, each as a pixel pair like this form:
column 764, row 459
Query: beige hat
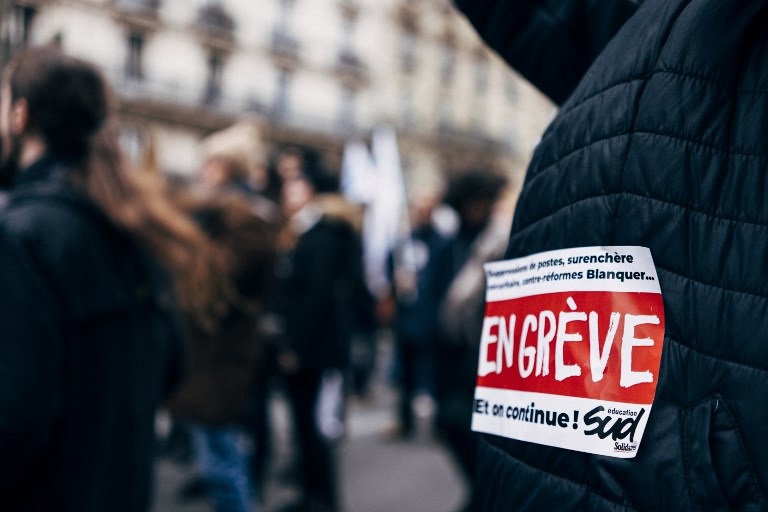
column 241, row 144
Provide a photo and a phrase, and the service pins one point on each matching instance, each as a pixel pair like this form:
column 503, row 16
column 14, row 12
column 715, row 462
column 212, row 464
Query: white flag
column 385, row 219
column 358, row 173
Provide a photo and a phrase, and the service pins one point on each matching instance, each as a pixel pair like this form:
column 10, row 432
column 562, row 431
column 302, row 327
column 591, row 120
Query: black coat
column 416, row 320
column 88, row 331
column 660, row 142
column 222, row 365
column 320, row 282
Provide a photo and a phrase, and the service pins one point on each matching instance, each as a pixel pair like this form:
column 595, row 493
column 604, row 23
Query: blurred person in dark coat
column 474, row 196
column 96, row 343
column 224, row 362
column 234, row 161
column 416, row 292
column 320, row 275
column 228, row 365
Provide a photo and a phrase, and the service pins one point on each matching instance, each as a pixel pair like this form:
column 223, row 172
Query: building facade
column 311, row 72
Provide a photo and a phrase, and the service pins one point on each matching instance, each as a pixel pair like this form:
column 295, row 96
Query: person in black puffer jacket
column 660, row 142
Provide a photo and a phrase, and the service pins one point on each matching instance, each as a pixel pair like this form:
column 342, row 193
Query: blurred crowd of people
column 125, row 292
column 128, row 292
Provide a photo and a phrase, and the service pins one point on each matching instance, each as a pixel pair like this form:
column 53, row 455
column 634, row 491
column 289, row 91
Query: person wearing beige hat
column 225, row 364
column 234, row 161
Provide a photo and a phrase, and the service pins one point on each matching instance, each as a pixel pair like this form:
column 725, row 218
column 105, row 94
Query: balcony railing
column 175, row 96
column 215, row 23
column 450, row 134
column 178, row 94
column 138, row 11
column 350, row 66
column 284, row 45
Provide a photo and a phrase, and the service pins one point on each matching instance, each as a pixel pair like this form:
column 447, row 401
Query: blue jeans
column 224, row 465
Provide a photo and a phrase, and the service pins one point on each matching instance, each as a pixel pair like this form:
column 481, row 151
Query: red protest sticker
column 570, row 349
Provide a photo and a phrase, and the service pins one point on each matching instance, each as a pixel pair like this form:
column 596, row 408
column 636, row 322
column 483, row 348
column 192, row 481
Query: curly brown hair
column 70, row 106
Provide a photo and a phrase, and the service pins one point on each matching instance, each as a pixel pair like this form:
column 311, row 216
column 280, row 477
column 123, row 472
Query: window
column 444, row 117
column 16, row 28
column 281, row 106
column 408, row 51
column 447, row 62
column 213, row 82
column 407, row 111
column 134, row 70
column 347, row 33
column 284, row 14
column 348, row 59
column 481, row 73
column 510, row 88
column 347, row 107
column 132, row 142
column 215, row 22
column 283, row 42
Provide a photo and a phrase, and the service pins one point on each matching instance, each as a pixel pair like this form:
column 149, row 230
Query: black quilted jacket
column 661, row 141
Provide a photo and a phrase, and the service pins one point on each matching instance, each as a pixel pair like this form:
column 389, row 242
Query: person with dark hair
column 659, row 144
column 224, row 363
column 415, row 294
column 319, row 274
column 224, row 398
column 106, row 260
column 474, row 195
column 234, row 161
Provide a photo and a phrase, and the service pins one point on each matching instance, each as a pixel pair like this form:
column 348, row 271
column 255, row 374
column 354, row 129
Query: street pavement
column 377, row 473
